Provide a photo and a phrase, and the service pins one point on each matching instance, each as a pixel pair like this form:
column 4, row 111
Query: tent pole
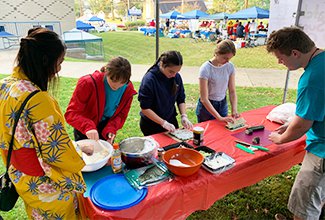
column 157, row 29
column 298, row 13
column 286, row 87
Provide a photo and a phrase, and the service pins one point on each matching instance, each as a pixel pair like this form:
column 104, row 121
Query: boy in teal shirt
column 295, row 49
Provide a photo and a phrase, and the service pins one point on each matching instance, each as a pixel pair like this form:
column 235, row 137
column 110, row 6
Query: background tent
column 83, row 26
column 134, row 12
column 218, row 16
column 195, row 14
column 170, row 15
column 95, row 18
column 253, row 12
column 182, row 17
column 8, row 40
column 83, row 45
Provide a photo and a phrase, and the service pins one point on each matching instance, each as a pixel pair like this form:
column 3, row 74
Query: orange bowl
column 187, row 156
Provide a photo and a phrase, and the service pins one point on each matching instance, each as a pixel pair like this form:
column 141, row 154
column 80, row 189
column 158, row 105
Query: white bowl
column 100, row 156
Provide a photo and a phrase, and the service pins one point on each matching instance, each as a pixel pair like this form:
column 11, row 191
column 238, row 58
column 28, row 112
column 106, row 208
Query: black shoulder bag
column 8, row 193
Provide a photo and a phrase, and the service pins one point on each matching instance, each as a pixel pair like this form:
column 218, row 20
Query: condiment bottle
column 116, row 161
column 160, row 151
column 198, row 135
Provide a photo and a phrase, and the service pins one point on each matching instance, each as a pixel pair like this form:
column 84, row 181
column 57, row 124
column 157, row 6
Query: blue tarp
column 195, row 14
column 170, row 15
column 95, row 18
column 83, row 26
column 253, row 12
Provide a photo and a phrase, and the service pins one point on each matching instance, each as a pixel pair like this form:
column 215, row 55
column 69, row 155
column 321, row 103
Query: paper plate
column 115, row 193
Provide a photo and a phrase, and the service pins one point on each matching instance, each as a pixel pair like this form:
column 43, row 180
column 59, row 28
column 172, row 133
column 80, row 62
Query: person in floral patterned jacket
column 45, row 165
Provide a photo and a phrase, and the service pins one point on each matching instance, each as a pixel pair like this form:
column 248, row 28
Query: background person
column 167, row 24
column 216, row 76
column 230, row 27
column 45, row 167
column 152, row 23
column 294, row 49
column 252, row 28
column 101, row 102
column 160, row 88
column 234, row 30
column 260, row 27
column 247, row 30
column 240, row 30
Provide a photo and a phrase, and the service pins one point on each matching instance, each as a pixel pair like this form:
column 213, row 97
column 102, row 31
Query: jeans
column 203, row 115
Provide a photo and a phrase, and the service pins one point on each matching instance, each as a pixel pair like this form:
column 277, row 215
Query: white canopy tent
column 306, row 14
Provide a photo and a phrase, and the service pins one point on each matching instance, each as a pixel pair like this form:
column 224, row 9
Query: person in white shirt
column 216, row 76
column 252, row 28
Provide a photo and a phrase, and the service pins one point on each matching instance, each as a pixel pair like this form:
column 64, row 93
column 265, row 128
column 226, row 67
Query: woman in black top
column 160, row 88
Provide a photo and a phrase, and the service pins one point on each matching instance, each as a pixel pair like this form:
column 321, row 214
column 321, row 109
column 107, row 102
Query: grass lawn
column 140, row 49
column 260, row 201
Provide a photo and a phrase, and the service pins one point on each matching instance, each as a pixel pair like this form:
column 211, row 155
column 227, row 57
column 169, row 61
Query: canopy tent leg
column 286, row 87
column 297, row 17
column 157, row 29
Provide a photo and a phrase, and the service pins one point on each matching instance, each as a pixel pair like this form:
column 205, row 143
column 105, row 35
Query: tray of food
column 179, row 144
column 215, row 162
column 182, row 134
column 236, row 125
column 205, row 151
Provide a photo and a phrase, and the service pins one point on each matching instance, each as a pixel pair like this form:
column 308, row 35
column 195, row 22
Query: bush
column 133, row 25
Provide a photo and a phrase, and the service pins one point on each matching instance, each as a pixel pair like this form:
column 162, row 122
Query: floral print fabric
column 41, row 127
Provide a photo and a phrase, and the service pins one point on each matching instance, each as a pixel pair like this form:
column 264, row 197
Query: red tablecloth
column 184, row 195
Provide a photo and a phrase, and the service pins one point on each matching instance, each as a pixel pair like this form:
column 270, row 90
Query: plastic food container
column 215, row 162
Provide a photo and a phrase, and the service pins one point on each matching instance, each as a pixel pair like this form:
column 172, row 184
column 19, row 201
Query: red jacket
column 82, row 112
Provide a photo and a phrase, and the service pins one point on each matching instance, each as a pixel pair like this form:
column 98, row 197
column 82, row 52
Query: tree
column 122, row 7
column 231, row 6
column 101, row 5
column 259, row 3
column 77, row 9
column 109, row 6
column 187, row 7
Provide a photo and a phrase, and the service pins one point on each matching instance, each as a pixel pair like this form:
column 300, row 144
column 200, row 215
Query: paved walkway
column 244, row 76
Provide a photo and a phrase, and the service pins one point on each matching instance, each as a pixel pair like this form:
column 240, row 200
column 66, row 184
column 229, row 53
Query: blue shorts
column 220, row 106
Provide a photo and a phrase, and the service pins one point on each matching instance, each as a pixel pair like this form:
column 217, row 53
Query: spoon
column 178, row 163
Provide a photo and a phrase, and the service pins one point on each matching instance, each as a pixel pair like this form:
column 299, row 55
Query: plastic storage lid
column 115, row 193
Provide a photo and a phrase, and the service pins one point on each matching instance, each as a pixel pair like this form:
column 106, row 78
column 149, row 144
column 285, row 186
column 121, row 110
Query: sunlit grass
column 140, row 49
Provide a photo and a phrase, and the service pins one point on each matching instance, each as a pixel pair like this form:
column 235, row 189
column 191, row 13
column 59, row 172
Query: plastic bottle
column 160, row 151
column 116, row 161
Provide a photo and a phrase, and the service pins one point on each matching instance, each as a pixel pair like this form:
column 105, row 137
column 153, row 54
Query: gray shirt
column 218, row 79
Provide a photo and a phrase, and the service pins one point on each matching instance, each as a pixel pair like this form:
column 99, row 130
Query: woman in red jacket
column 101, row 102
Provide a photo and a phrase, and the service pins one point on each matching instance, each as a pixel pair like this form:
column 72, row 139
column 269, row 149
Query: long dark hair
column 169, row 58
column 38, row 56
